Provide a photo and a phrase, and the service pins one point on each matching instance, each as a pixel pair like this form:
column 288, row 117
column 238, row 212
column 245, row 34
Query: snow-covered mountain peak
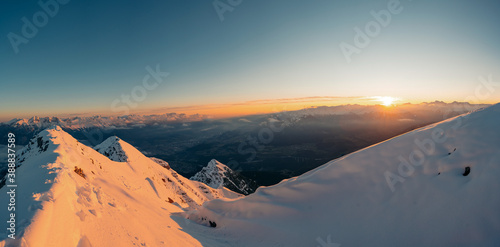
column 212, row 175
column 214, row 164
column 118, row 150
column 218, row 175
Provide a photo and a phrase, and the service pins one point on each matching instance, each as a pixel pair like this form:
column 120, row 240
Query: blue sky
column 92, row 52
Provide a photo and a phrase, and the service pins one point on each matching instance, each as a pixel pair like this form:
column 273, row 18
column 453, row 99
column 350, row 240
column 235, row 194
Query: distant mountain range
column 101, row 122
column 437, row 106
column 130, row 121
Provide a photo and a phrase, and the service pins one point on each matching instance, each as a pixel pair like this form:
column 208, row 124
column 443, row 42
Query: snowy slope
column 112, row 148
column 407, row 191
column 218, row 175
column 118, row 150
column 69, row 194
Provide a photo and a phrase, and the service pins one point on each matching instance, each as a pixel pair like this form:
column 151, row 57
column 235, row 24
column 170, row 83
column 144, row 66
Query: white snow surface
column 127, row 203
column 348, row 201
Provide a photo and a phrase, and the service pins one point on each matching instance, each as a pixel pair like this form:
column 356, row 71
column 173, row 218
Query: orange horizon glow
column 274, row 105
column 227, row 110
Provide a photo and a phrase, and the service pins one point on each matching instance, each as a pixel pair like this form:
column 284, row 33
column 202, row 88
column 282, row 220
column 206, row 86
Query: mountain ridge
column 68, row 188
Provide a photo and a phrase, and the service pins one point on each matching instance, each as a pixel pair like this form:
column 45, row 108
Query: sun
column 386, row 100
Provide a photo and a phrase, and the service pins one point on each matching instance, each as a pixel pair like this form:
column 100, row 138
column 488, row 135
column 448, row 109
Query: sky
column 104, row 57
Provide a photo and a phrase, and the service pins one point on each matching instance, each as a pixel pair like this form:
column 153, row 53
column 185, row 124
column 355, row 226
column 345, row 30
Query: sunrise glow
column 387, row 101
column 384, row 100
